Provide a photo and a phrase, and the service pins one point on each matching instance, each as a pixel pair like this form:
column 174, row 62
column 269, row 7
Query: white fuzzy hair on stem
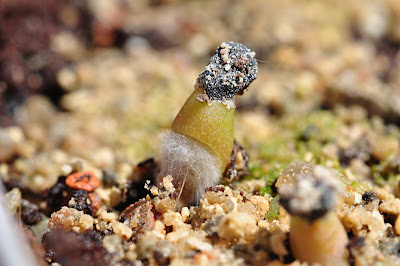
column 192, row 166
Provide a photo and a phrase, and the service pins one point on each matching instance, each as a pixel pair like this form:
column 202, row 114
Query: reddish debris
column 70, row 248
column 244, row 197
column 215, row 189
column 85, row 180
column 141, row 213
column 237, row 169
column 95, row 201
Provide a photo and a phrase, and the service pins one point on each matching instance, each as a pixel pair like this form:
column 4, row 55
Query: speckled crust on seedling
column 230, row 71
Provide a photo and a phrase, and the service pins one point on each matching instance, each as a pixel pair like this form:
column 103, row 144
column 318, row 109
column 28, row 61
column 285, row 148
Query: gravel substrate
column 80, row 170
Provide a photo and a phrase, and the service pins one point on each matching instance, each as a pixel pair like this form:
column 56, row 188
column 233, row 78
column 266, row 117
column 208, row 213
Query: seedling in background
column 308, row 193
column 197, row 149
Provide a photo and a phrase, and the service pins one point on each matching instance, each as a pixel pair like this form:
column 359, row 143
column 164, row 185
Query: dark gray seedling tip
column 231, row 70
column 313, row 196
column 322, row 204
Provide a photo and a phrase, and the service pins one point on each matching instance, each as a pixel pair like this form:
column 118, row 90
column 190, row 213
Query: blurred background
column 99, row 79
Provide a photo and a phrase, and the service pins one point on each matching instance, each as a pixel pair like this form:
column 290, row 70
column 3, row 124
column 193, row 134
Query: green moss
column 314, row 147
column 300, row 135
column 274, row 209
column 360, row 187
column 273, row 175
column 378, row 179
column 326, row 123
column 269, row 176
column 384, row 173
column 265, row 190
column 257, row 171
column 278, row 149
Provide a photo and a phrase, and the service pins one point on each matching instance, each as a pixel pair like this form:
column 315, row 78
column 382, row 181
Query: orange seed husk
column 85, row 180
column 96, row 201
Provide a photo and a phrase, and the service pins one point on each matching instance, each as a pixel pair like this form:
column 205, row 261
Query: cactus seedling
column 197, row 149
column 316, row 233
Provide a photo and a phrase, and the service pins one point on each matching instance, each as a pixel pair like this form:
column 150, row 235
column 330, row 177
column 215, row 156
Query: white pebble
column 66, row 169
column 224, row 51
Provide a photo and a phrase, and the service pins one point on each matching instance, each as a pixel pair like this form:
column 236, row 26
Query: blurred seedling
column 308, row 192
